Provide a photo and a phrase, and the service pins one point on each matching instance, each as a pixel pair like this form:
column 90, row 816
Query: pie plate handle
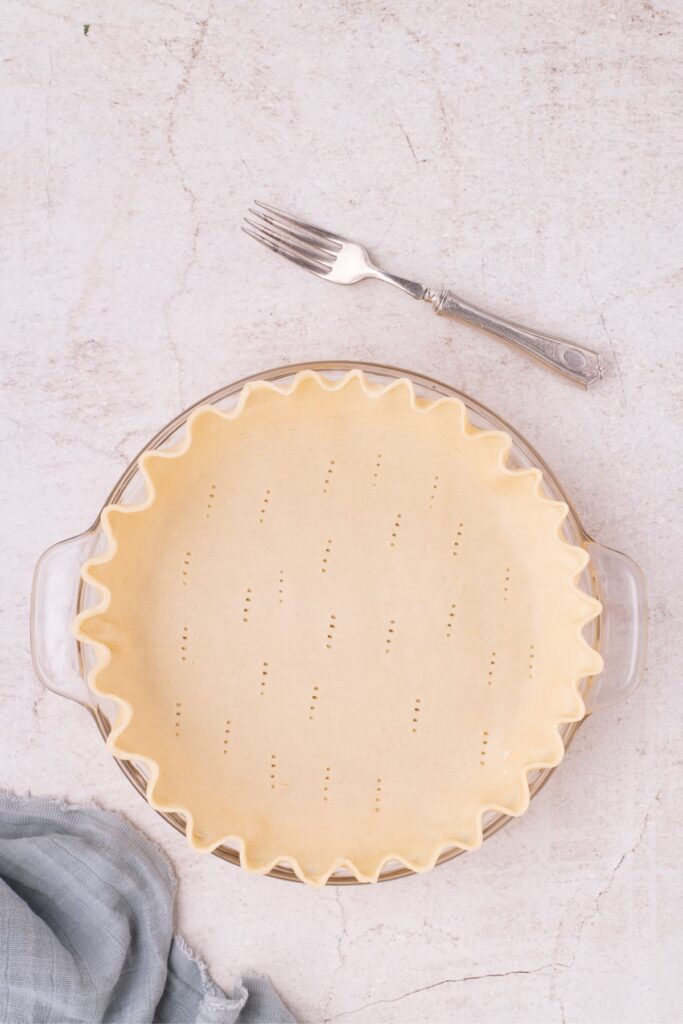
column 54, row 600
column 623, row 626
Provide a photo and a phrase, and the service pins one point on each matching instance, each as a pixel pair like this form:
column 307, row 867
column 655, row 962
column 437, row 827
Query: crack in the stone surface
column 182, row 87
column 37, row 702
column 342, row 935
column 120, row 447
column 554, row 996
column 610, row 341
column 600, row 897
column 410, row 147
column 445, row 981
column 341, row 955
column 614, row 357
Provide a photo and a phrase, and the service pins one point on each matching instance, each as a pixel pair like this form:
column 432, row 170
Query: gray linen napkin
column 86, row 928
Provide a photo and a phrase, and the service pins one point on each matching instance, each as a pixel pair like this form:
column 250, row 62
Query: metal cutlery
column 337, row 259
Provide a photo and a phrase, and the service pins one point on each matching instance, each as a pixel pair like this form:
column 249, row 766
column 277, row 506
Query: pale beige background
column 521, row 152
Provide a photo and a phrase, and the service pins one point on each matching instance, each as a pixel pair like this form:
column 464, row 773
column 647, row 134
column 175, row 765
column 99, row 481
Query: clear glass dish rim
column 135, row 773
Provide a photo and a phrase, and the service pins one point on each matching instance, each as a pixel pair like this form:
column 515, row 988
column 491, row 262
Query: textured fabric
column 86, row 928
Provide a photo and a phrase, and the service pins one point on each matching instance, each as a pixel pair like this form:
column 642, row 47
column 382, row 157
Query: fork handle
column 579, row 364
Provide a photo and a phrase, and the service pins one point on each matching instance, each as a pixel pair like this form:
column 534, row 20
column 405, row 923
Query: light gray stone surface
column 519, row 152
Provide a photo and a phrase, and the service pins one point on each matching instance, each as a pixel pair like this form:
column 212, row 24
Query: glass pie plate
column 62, row 663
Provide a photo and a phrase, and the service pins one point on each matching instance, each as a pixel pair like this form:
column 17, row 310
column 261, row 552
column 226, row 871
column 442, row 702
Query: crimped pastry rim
column 125, row 710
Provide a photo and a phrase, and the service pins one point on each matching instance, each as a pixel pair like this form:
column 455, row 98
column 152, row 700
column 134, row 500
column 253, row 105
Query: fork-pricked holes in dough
column 185, row 571
column 395, row 528
column 389, row 636
column 246, row 606
column 378, row 467
column 211, row 501
column 263, row 510
column 313, row 703
column 263, row 681
column 329, row 473
column 492, row 668
column 331, row 627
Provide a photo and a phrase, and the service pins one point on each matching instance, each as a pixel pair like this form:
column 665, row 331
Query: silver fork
column 342, row 261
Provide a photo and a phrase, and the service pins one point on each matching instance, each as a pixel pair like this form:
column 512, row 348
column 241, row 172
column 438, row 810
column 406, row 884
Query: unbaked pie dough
column 339, row 629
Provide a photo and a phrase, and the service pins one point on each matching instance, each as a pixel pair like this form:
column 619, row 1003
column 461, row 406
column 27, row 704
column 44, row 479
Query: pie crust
column 339, row 629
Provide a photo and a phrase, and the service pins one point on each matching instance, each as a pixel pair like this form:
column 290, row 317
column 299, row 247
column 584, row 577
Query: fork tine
column 313, row 268
column 319, row 232
column 310, row 252
column 313, row 241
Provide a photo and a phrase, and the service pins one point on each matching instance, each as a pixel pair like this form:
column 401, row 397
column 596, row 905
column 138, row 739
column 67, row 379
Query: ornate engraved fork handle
column 581, row 365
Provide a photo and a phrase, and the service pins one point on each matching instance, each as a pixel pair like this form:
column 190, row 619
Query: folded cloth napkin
column 86, row 928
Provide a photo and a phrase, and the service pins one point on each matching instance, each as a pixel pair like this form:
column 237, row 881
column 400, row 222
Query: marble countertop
column 520, row 153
